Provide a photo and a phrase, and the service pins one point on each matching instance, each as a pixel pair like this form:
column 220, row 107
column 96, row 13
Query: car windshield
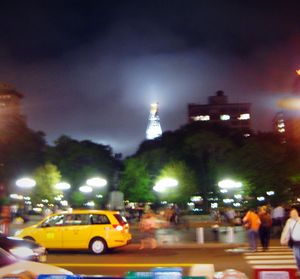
column 6, row 258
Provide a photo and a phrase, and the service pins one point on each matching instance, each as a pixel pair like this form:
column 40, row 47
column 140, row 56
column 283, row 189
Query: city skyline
column 90, row 69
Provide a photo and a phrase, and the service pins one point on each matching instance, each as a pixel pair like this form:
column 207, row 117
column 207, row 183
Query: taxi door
column 49, row 234
column 76, row 231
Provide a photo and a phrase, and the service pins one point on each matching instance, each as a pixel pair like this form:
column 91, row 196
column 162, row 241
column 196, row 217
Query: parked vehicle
column 23, row 249
column 11, row 265
column 96, row 230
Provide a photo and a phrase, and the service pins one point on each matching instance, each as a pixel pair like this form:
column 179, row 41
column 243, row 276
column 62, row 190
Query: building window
column 201, row 118
column 244, row 116
column 224, row 117
column 281, row 130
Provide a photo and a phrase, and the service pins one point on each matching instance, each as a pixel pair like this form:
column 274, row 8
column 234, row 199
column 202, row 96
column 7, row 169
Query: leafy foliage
column 46, row 177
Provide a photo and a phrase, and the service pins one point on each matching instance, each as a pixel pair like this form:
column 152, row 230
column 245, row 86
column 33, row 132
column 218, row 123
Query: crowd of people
column 260, row 224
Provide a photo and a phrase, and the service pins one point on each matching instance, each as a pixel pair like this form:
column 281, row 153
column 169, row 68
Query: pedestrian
column 252, row 223
column 291, row 235
column 230, row 216
column 147, row 228
column 278, row 216
column 265, row 227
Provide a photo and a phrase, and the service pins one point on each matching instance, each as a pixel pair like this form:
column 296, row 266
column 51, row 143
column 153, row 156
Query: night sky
column 90, row 69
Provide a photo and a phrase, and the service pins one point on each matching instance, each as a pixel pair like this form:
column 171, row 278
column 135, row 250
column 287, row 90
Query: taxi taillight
column 118, row 227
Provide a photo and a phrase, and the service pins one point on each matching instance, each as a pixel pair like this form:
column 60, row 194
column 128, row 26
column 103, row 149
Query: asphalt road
column 130, row 258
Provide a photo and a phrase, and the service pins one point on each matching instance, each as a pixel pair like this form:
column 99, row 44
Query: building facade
column 10, row 106
column 219, row 110
column 287, row 125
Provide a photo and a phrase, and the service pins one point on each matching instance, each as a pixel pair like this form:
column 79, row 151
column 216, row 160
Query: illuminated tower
column 153, row 130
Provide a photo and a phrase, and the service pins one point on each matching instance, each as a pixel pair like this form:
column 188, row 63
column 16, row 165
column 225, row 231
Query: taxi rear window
column 121, row 219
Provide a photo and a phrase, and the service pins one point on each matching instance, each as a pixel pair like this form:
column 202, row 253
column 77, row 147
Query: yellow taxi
column 96, row 230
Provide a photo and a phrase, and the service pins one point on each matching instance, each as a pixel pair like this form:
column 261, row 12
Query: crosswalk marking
column 275, row 257
column 270, row 257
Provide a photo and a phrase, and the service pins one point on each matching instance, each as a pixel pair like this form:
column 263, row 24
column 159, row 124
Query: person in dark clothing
column 265, row 227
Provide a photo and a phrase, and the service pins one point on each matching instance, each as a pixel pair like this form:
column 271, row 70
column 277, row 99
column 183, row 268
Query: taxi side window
column 99, row 219
column 56, row 220
column 76, row 219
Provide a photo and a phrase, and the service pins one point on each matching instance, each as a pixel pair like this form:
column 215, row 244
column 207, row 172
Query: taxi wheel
column 98, row 246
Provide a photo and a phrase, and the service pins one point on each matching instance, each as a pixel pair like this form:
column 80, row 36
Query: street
column 130, row 258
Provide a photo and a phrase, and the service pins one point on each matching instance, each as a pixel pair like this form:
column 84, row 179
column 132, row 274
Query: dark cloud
column 90, row 69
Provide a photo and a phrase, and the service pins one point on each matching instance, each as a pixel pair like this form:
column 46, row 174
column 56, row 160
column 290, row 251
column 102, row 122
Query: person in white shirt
column 291, row 230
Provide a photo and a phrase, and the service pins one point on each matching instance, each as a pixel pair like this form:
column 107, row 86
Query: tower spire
column 154, row 129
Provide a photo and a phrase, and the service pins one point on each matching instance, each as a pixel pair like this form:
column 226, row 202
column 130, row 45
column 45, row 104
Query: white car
column 10, row 265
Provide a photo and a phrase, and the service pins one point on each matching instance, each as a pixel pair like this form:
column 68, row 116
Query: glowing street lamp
column 62, row 186
column 26, row 182
column 86, row 189
column 229, row 184
column 96, row 182
column 164, row 184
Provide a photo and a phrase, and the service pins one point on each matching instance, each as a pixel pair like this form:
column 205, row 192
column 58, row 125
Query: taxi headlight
column 22, row 252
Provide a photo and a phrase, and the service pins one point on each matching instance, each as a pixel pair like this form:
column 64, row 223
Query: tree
column 207, row 153
column 46, row 177
column 136, row 181
column 80, row 160
column 263, row 166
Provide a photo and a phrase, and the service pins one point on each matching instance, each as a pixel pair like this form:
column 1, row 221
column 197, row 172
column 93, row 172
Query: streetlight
column 86, row 189
column 96, row 182
column 165, row 184
column 229, row 184
column 62, row 186
column 25, row 182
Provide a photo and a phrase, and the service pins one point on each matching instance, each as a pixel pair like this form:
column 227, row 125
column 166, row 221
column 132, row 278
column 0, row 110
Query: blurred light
column 228, row 200
column 247, row 135
column 62, row 186
column 45, row 201
column 201, row 118
column 260, row 198
column 298, row 72
column 96, row 182
column 25, row 182
column 244, row 116
column 64, row 203
column 165, row 183
column 27, row 198
column 236, row 204
column 214, row 205
column 291, row 103
column 270, row 193
column 229, row 184
column 224, row 191
column 224, row 117
column 196, row 199
column 85, row 189
column 16, row 196
column 280, row 125
column 99, row 196
column 90, row 203
column 238, row 196
column 37, row 209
